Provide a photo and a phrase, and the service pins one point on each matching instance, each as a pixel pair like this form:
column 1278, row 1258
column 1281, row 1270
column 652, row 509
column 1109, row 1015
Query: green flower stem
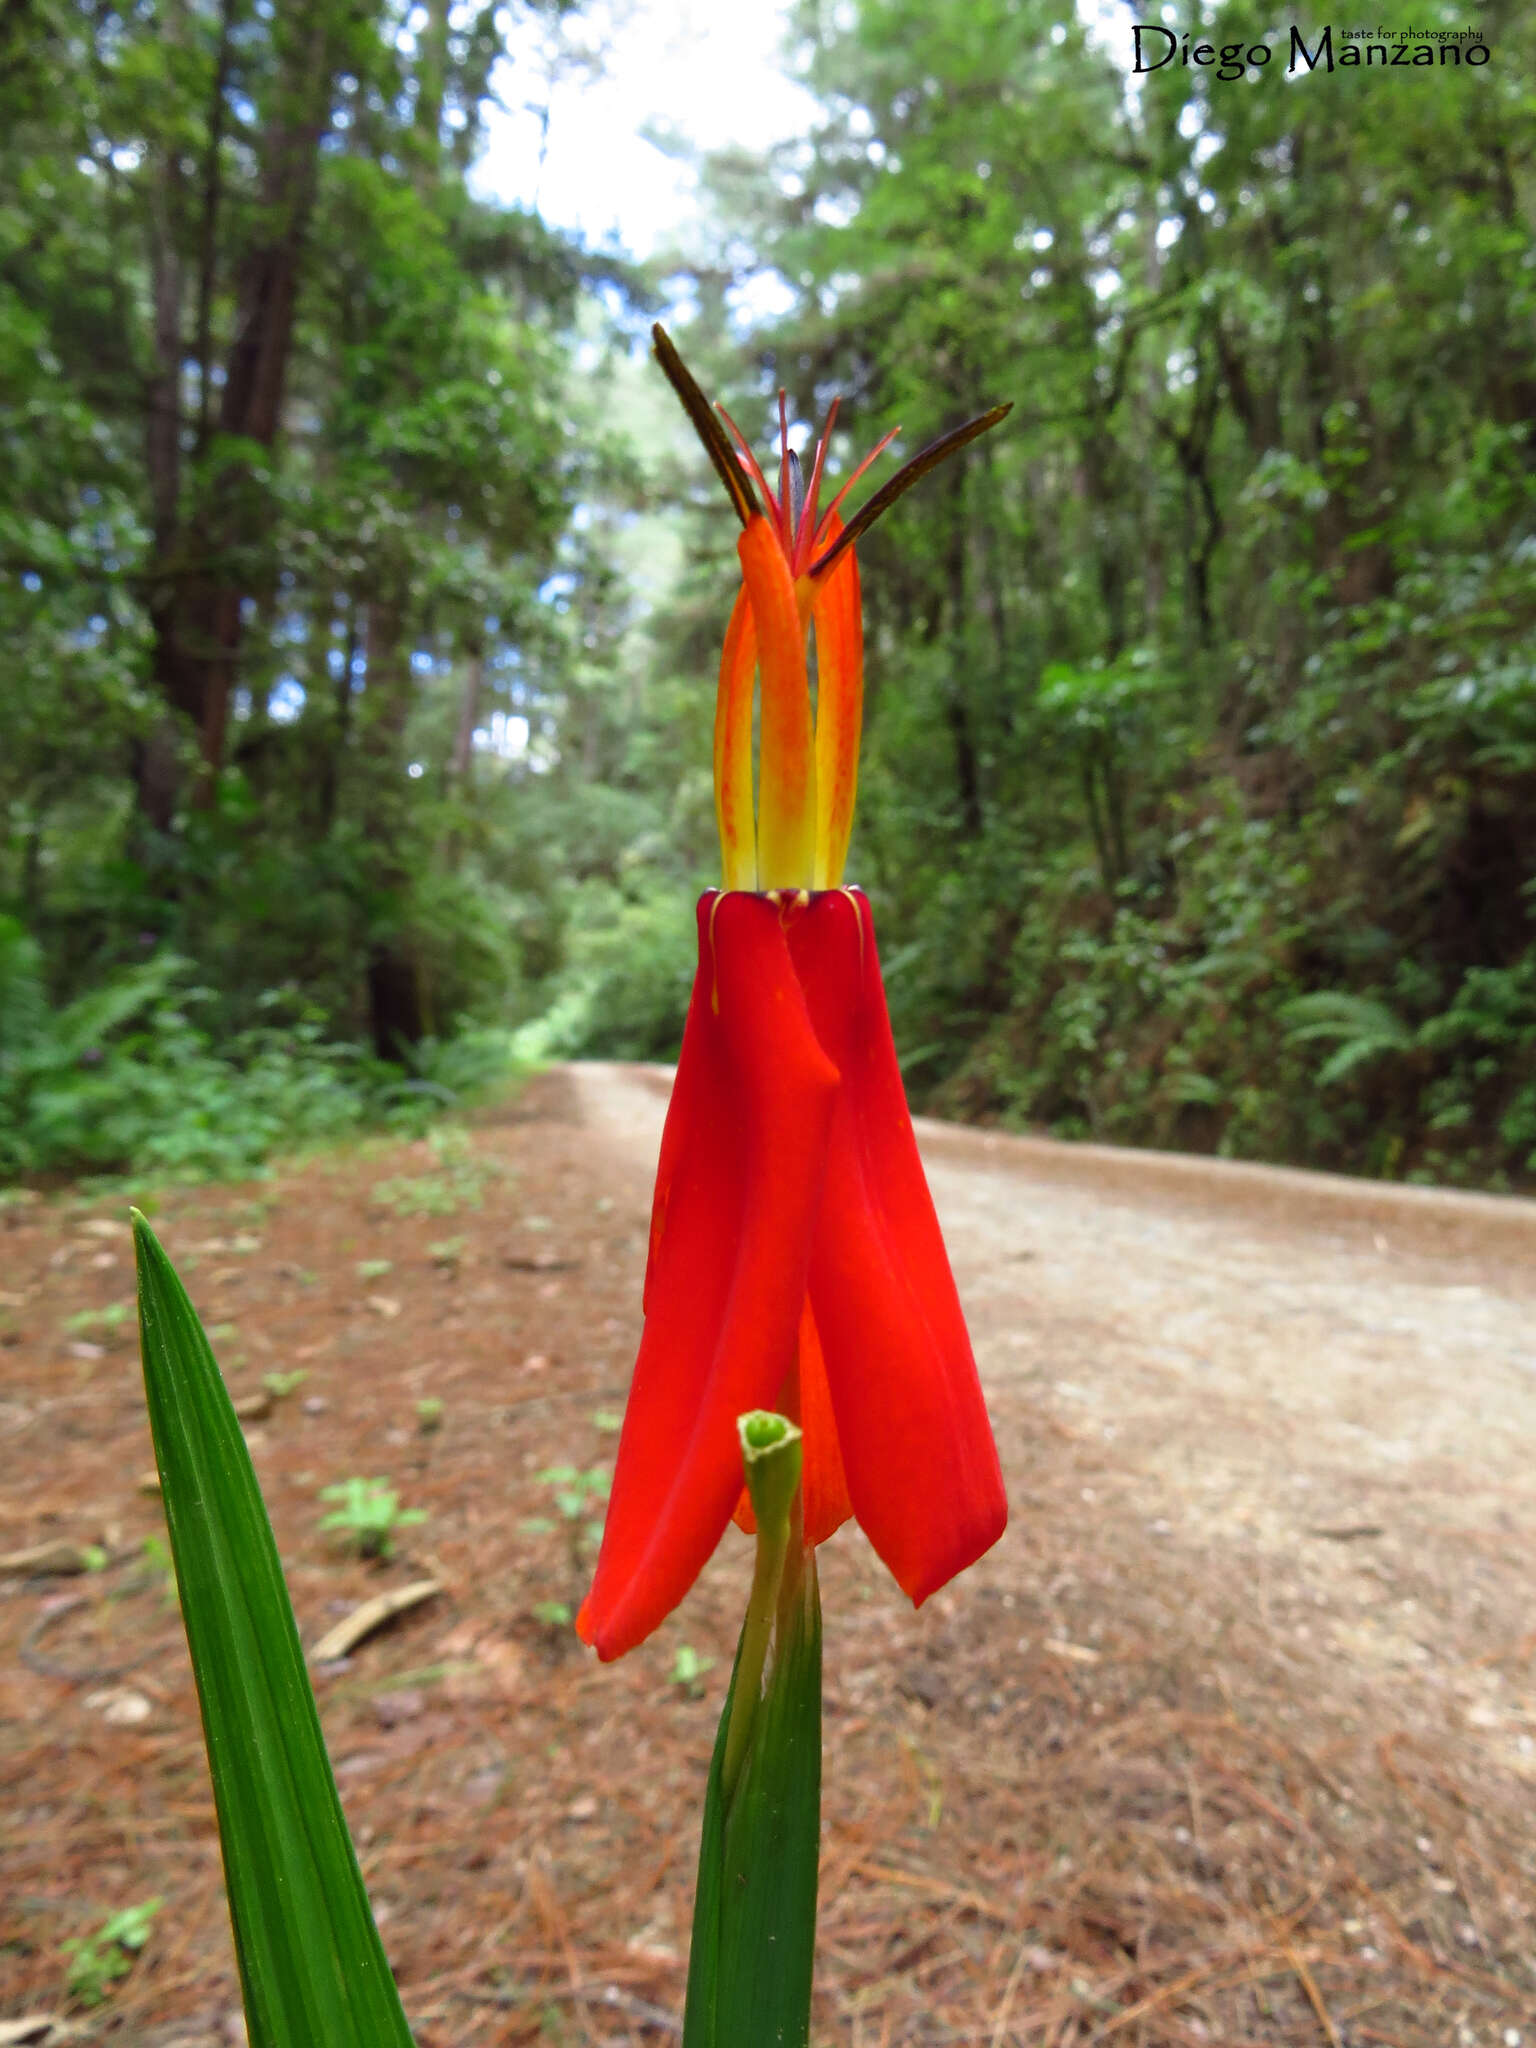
column 752, row 1953
column 771, row 1453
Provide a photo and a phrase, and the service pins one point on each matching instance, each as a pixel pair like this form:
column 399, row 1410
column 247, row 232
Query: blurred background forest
column 361, row 594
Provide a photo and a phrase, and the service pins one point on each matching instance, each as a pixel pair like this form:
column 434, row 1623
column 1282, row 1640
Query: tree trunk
column 1091, row 804
column 208, row 228
column 208, row 563
column 341, row 732
column 957, row 709
column 469, row 712
column 462, row 761
column 967, row 768
column 162, row 425
column 155, row 762
column 396, row 1009
column 396, row 1018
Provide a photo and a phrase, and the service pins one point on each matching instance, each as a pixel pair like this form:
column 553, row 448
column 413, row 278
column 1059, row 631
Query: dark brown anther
column 793, row 510
column 902, row 482
column 716, row 441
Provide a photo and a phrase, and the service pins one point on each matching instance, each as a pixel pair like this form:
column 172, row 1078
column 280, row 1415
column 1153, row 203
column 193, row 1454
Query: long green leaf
column 312, row 1968
column 754, row 1915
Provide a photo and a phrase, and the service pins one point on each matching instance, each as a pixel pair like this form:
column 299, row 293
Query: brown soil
column 1231, row 1740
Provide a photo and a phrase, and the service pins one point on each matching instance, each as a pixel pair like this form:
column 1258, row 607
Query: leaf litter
column 1092, row 1793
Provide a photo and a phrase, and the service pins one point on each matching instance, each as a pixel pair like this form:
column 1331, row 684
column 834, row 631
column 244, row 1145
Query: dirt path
column 1274, row 1432
column 1308, row 1370
column 1229, row 1741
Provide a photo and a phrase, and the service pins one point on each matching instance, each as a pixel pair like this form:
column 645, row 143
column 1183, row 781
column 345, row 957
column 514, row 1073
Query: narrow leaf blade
column 754, row 1925
column 312, row 1967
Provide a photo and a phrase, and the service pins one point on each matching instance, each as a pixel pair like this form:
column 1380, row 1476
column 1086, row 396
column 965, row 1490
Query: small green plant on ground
column 369, row 1514
column 458, row 1182
column 688, row 1668
column 144, row 1074
column 579, row 1496
column 281, row 1384
column 374, row 1269
column 429, row 1414
column 96, row 1961
column 106, row 1322
column 159, row 1564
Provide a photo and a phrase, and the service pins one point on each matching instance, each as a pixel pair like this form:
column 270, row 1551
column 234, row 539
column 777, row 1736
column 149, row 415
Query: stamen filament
column 897, row 486
column 836, row 505
column 754, row 467
column 807, row 528
column 786, row 523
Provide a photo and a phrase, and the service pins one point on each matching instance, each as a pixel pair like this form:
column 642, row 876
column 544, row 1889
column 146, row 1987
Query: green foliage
column 623, row 990
column 1115, row 723
column 1198, row 801
column 368, row 1515
column 279, row 645
column 98, row 1960
column 1360, row 1028
column 127, row 1077
column 1200, row 756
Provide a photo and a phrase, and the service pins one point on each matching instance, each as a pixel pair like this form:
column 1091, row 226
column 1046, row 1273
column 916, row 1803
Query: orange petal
column 733, row 749
column 839, row 710
column 786, row 810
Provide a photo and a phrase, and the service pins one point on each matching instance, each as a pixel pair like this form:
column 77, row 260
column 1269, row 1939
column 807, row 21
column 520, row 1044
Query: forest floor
column 1232, row 1740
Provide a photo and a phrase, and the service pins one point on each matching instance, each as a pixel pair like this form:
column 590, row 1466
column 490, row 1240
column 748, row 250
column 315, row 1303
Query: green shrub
column 129, row 1076
column 623, row 992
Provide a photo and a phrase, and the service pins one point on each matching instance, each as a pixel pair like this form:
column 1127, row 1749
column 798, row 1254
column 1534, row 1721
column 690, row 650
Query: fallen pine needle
column 1308, row 1984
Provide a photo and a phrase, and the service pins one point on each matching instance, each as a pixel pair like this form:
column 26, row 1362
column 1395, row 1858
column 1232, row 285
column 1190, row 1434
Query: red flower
column 795, row 1259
